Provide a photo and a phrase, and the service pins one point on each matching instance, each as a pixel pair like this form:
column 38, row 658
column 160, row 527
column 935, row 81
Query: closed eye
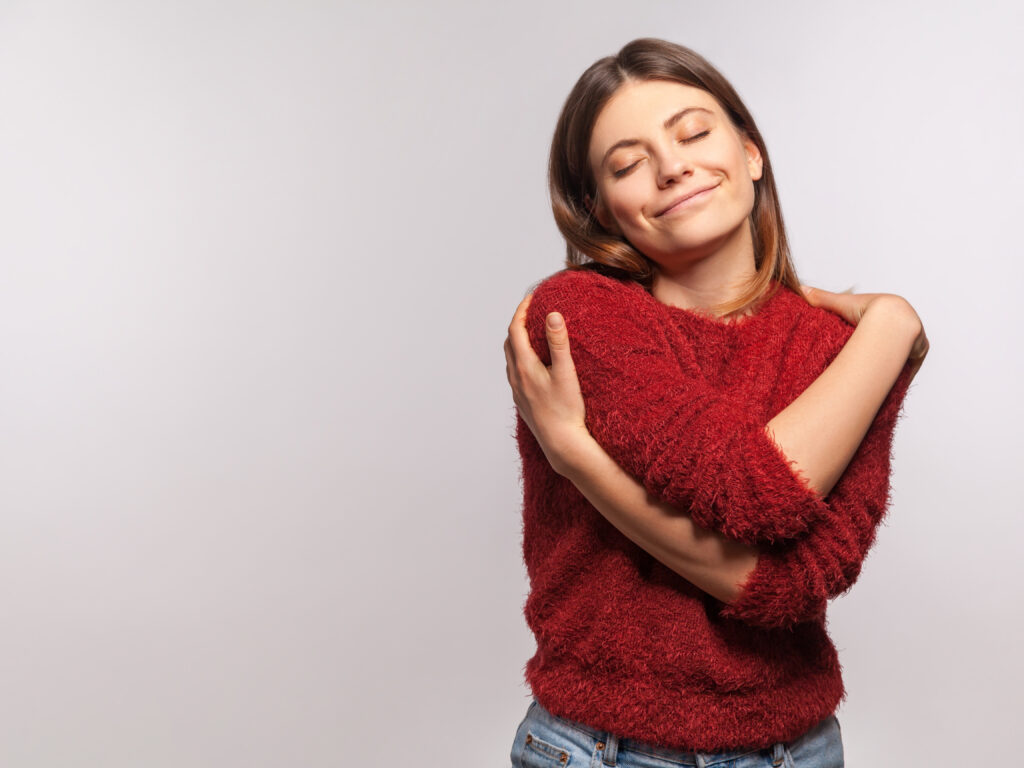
column 696, row 137
column 620, row 173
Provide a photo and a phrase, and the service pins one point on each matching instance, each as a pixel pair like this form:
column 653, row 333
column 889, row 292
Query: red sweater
column 680, row 401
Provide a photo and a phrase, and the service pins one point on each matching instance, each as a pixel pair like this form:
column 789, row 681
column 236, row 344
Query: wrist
column 573, row 452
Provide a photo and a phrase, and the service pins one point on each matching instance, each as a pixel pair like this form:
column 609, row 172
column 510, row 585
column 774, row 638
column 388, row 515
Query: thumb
column 558, row 342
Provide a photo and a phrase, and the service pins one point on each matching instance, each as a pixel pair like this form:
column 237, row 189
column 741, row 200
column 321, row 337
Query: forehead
column 639, row 109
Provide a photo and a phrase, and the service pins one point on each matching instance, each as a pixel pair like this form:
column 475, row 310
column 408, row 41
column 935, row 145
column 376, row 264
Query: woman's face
column 674, row 177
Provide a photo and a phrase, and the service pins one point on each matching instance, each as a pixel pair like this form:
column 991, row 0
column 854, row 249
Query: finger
column 558, row 342
column 810, row 293
column 512, row 371
column 509, row 362
column 522, row 350
column 920, row 349
column 837, row 303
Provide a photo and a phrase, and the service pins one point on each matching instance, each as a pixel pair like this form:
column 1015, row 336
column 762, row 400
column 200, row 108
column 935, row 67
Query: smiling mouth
column 683, row 202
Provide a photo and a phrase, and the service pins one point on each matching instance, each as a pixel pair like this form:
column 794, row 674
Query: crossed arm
column 869, row 373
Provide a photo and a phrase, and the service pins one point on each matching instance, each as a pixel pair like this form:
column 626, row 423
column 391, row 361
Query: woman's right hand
column 853, row 306
column 548, row 398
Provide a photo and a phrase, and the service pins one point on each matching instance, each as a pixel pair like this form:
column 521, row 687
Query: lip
column 687, row 199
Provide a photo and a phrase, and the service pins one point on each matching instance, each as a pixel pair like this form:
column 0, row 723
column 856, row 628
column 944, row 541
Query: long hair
column 573, row 190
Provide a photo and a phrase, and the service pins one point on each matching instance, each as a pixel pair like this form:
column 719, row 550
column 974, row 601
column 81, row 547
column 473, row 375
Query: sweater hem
column 643, row 714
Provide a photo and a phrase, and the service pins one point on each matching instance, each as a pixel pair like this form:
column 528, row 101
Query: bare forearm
column 821, row 430
column 708, row 560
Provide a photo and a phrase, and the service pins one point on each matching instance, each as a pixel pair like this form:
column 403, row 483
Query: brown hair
column 571, row 182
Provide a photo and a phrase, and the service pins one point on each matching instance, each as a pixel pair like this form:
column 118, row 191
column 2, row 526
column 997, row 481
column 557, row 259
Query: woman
column 705, row 444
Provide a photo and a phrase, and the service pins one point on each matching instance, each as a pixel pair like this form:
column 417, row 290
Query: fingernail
column 555, row 321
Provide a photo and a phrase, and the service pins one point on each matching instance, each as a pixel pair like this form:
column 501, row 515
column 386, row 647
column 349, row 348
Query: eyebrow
column 668, row 124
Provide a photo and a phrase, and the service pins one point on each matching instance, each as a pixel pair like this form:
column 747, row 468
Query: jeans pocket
column 517, row 741
column 538, row 753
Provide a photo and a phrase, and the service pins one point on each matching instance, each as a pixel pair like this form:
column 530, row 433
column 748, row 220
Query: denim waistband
column 610, row 744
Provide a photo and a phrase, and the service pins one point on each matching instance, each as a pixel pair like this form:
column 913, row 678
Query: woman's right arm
column 550, row 404
column 707, row 559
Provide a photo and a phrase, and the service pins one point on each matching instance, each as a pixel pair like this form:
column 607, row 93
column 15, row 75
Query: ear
column 603, row 217
column 755, row 163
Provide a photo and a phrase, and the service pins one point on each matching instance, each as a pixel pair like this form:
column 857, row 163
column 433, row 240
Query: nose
column 673, row 165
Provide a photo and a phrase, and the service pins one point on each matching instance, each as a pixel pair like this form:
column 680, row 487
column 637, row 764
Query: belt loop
column 778, row 754
column 611, row 749
column 701, row 762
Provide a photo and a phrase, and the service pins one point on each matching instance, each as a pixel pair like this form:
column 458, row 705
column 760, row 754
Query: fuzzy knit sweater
column 680, row 400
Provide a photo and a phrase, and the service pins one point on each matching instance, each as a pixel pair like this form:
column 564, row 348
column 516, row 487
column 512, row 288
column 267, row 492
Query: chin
column 694, row 244
column 709, row 236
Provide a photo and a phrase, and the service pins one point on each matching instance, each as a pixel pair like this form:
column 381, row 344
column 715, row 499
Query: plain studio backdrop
column 260, row 500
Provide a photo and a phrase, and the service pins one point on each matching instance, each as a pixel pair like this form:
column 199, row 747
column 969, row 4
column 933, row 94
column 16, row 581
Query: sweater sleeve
column 650, row 408
column 793, row 582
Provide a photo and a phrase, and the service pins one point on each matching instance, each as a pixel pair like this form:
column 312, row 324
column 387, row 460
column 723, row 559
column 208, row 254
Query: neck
column 714, row 277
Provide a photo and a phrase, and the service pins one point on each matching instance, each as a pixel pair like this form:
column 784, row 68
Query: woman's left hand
column 548, row 398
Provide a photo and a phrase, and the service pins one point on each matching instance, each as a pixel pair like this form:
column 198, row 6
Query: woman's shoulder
column 603, row 314
column 586, row 286
column 813, row 327
column 584, row 278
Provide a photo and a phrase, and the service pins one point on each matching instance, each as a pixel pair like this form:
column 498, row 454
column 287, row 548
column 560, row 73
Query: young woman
column 705, row 443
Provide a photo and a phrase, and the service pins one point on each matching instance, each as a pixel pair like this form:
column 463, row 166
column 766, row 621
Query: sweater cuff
column 744, row 485
column 776, row 596
column 774, row 480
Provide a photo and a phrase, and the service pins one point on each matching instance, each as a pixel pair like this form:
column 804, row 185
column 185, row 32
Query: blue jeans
column 546, row 741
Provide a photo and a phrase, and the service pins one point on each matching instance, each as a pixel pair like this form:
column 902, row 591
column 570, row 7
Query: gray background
column 259, row 494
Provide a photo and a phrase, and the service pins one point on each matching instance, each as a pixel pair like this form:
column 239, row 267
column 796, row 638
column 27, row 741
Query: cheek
column 626, row 203
column 741, row 185
column 727, row 154
column 745, row 191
